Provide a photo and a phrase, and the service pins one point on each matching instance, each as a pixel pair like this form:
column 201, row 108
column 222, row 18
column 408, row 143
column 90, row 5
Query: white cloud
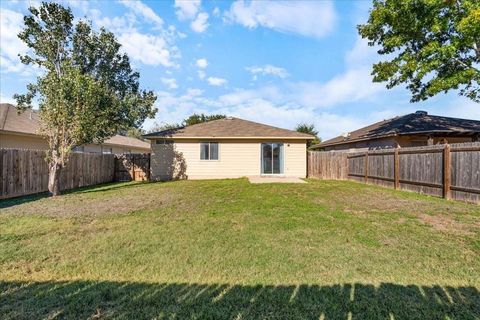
column 200, row 24
column 268, row 70
column 4, row 99
column 202, row 63
column 115, row 24
column 171, row 83
column 353, row 85
column 216, row 12
column 141, row 9
column 173, row 108
column 201, row 74
column 11, row 24
column 187, row 9
column 214, row 81
column 148, row 49
column 79, row 4
column 308, row 18
column 191, row 10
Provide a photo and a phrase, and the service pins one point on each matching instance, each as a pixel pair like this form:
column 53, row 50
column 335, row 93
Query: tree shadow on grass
column 111, row 186
column 5, row 203
column 107, row 187
column 104, row 299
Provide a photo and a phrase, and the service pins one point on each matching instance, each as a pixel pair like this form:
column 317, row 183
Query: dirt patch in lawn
column 445, row 224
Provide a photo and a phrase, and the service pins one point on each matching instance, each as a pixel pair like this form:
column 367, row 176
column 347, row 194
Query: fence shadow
column 92, row 299
column 10, row 202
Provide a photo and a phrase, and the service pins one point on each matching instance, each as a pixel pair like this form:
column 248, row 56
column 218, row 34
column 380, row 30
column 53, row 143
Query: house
column 412, row 130
column 227, row 148
column 20, row 131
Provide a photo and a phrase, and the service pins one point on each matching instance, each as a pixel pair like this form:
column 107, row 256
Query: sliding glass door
column 272, row 158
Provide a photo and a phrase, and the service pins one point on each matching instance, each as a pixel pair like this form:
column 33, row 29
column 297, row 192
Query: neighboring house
column 20, row 131
column 227, row 148
column 412, row 130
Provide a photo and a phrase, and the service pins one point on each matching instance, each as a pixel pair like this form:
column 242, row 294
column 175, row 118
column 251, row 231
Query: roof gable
column 233, row 128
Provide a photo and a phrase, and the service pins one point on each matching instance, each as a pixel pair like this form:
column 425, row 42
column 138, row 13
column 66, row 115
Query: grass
column 229, row 249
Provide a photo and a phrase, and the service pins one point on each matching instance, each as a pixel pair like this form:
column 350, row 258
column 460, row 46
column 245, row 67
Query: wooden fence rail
column 448, row 171
column 25, row 172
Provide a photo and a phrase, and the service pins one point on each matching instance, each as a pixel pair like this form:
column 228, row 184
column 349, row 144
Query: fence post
column 308, row 164
column 446, row 171
column 366, row 167
column 396, row 169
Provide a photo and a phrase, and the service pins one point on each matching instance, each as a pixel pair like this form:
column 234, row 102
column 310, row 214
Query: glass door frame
column 281, row 158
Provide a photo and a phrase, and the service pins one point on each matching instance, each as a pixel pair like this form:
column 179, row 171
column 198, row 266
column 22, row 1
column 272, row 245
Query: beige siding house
column 20, row 131
column 227, row 148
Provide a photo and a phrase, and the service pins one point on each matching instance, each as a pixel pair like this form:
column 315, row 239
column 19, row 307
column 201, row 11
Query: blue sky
column 279, row 63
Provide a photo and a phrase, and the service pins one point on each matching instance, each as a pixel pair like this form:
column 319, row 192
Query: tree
column 309, row 129
column 87, row 92
column 199, row 118
column 157, row 127
column 133, row 133
column 432, row 46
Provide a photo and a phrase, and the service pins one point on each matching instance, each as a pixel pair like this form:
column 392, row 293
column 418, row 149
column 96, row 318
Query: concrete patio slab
column 275, row 180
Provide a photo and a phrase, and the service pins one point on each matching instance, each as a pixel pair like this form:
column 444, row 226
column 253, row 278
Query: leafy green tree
column 133, row 133
column 87, row 91
column 431, row 46
column 309, row 129
column 199, row 118
column 191, row 120
column 164, row 126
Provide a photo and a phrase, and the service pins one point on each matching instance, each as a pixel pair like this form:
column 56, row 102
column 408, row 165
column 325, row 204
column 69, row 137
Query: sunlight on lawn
column 227, row 249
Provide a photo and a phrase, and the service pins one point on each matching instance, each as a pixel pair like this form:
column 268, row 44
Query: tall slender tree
column 87, row 91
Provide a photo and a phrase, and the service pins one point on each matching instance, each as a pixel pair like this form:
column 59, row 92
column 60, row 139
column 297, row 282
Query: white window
column 208, row 150
column 106, row 150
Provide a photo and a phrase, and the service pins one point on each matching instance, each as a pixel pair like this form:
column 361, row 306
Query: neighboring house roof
column 416, row 123
column 229, row 128
column 28, row 123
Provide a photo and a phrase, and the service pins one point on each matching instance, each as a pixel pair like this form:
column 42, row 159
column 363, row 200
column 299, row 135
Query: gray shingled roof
column 229, row 128
column 411, row 124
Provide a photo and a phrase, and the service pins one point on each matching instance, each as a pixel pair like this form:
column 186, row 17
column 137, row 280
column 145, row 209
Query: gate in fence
column 132, row 167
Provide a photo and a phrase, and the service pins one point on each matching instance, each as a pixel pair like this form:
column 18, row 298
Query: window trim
column 209, row 148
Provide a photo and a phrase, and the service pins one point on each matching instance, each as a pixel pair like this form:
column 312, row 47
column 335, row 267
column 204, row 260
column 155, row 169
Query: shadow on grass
column 107, row 187
column 103, row 299
column 5, row 203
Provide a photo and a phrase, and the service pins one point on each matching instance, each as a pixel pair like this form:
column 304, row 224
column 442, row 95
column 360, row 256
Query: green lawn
column 229, row 249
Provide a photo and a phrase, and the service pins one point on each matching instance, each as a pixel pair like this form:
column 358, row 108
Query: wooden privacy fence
column 25, row 172
column 327, row 165
column 449, row 171
column 134, row 167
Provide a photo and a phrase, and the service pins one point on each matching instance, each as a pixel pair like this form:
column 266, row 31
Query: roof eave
column 227, row 137
column 326, row 144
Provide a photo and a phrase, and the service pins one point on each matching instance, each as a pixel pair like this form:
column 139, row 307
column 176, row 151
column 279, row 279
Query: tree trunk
column 54, row 179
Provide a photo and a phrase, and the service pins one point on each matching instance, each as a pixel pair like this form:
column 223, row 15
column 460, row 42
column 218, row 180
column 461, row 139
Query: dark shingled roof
column 411, row 124
column 229, row 128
